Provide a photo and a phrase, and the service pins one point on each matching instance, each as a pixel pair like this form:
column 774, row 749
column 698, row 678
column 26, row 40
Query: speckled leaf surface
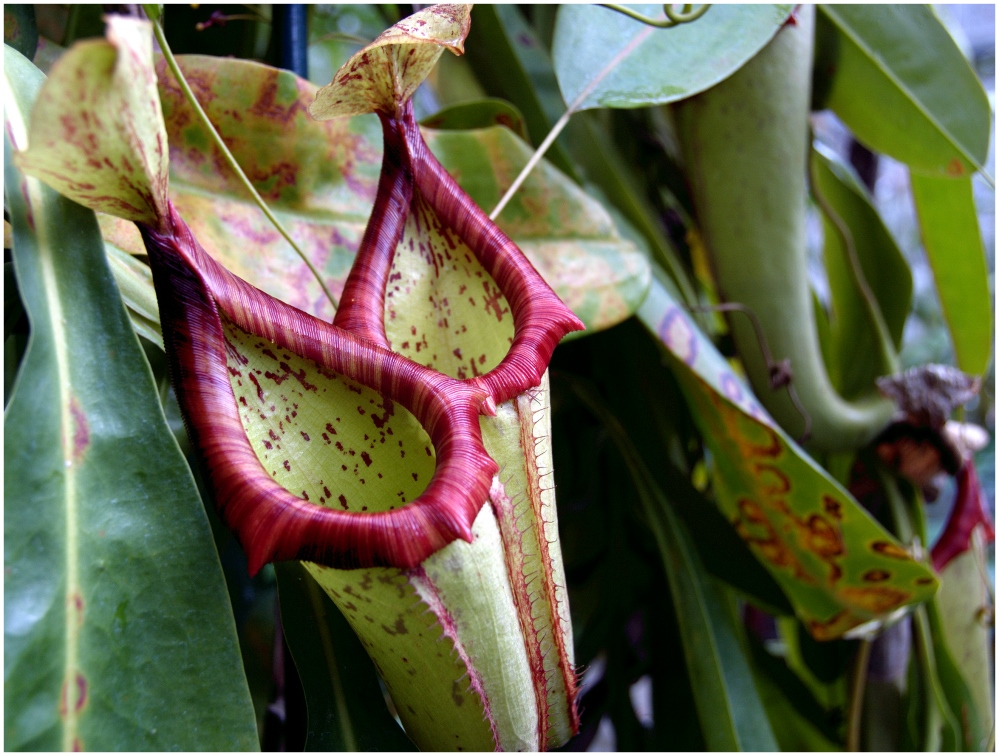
column 100, row 118
column 117, row 629
column 384, row 75
column 437, row 282
column 320, row 179
column 838, row 567
column 339, row 444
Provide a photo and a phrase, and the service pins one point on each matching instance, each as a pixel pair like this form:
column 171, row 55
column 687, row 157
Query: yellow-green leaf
column 837, row 565
column 949, row 226
column 383, row 76
column 97, row 133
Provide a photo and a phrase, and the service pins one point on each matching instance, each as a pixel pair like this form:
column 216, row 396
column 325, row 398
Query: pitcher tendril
column 780, row 372
column 220, row 143
column 673, row 17
column 685, row 16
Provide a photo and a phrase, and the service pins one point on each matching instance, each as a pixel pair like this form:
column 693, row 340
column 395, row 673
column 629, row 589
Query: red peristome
column 362, row 303
column 967, row 514
column 271, row 523
column 540, row 317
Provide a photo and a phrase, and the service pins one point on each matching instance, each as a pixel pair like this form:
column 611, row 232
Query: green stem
column 535, row 159
column 339, row 694
column 856, row 707
column 189, row 95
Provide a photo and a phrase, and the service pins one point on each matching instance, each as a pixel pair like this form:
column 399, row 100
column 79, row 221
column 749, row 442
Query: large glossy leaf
column 898, row 80
column 605, row 59
column 325, row 201
column 835, row 563
column 728, row 705
column 346, row 708
column 869, row 280
column 117, row 628
column 949, row 226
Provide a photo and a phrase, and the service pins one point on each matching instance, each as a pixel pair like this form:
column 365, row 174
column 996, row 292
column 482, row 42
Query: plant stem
column 564, row 120
column 856, row 707
column 189, row 95
column 535, row 159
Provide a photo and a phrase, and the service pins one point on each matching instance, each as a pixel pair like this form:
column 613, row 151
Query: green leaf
column 117, row 627
column 728, row 705
column 838, row 567
column 953, row 243
column 799, row 722
column 347, row 710
column 869, row 279
column 605, row 59
column 479, row 114
column 901, row 84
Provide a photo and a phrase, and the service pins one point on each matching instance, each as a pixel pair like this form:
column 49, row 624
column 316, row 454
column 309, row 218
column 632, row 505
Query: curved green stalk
column 189, row 95
column 856, row 708
column 745, row 144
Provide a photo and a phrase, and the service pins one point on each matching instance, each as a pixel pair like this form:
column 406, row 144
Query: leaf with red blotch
column 97, row 132
column 382, row 76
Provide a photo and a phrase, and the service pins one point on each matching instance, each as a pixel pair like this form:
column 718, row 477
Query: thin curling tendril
column 673, row 17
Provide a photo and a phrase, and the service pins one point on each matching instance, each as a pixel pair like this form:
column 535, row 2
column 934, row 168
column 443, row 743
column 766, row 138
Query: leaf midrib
column 35, row 198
